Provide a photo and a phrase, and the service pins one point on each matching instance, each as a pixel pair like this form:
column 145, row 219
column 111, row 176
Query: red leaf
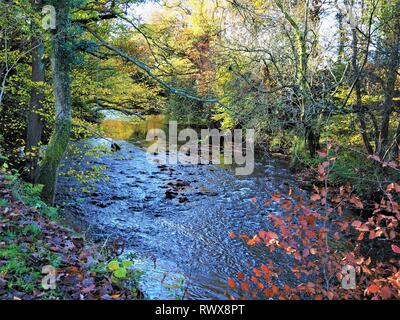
column 376, row 158
column 395, row 249
column 232, row 235
column 272, row 235
column 315, row 197
column 373, row 288
column 231, row 283
column 322, row 153
column 257, row 272
column 268, row 293
column 254, row 200
column 393, row 164
column 265, row 268
column 240, row 275
column 262, row 234
column 386, row 293
column 356, row 224
column 245, row 286
column 275, row 289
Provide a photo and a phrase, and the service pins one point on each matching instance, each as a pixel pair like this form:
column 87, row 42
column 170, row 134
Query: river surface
column 175, row 218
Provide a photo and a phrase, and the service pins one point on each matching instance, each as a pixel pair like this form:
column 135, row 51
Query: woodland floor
column 30, row 240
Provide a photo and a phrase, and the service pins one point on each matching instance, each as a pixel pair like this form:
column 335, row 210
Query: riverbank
column 42, row 259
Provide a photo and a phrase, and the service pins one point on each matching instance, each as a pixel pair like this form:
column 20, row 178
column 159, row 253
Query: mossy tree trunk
column 61, row 65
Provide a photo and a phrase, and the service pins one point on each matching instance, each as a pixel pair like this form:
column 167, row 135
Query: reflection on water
column 136, row 130
column 118, row 129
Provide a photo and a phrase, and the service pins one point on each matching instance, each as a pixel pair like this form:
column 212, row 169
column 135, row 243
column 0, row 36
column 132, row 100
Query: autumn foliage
column 327, row 245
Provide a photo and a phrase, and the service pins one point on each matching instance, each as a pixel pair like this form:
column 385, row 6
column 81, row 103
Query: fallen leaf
column 386, row 293
column 373, row 288
column 395, row 249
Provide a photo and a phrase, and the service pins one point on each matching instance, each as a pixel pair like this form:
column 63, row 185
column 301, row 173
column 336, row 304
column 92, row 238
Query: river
column 176, row 219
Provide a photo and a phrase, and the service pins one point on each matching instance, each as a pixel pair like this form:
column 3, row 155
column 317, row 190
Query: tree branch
column 141, row 65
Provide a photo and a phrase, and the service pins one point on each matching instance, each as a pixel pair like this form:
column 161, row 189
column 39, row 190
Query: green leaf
column 127, row 263
column 120, row 273
column 113, row 265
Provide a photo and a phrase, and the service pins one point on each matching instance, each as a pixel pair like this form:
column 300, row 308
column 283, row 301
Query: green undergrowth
column 32, row 238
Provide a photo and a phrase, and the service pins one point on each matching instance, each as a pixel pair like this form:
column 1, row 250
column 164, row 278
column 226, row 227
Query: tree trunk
column 396, row 147
column 393, row 65
column 61, row 62
column 35, row 121
column 358, row 105
column 342, row 37
column 312, row 137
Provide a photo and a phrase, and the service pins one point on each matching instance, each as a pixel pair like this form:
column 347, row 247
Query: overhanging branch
column 149, row 71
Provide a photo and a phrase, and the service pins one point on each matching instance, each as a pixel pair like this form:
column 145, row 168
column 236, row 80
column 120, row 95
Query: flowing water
column 175, row 218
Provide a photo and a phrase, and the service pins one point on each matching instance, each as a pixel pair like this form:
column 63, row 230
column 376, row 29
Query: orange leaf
column 275, row 289
column 268, row 293
column 254, row 200
column 232, row 235
column 257, row 272
column 373, row 288
column 240, row 275
column 231, row 283
column 265, row 269
column 245, row 286
column 253, row 241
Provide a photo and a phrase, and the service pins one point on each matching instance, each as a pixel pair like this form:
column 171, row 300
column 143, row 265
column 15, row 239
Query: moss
column 54, row 153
